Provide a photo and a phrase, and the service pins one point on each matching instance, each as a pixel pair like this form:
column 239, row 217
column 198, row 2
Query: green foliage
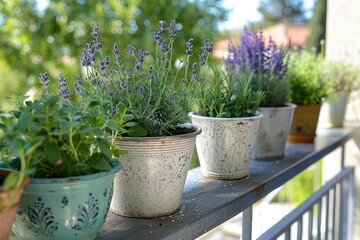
column 226, row 96
column 317, row 25
column 341, row 77
column 156, row 91
column 34, row 40
column 58, row 138
column 281, row 11
column 307, row 84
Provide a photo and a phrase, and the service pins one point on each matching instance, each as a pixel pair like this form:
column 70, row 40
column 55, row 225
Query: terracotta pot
column 273, row 132
column 153, row 176
column 305, row 120
column 9, row 199
column 225, row 145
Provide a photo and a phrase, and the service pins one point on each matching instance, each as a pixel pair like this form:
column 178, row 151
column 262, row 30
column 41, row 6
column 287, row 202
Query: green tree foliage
column 34, row 40
column 317, row 26
column 281, row 11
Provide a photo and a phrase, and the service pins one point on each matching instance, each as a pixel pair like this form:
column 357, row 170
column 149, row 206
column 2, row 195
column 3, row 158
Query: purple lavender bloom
column 64, row 90
column 79, row 84
column 194, row 72
column 207, row 45
column 189, row 51
column 253, row 55
column 92, row 46
column 102, row 66
column 111, row 93
column 157, row 35
column 116, row 51
column 189, row 43
column 95, row 31
column 130, row 50
column 141, row 89
column 202, row 59
column 44, row 80
column 114, row 111
column 86, row 58
column 172, row 29
column 163, row 25
column 164, row 46
column 127, row 71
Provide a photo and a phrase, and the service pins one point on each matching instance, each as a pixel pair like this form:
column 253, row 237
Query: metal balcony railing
column 208, row 203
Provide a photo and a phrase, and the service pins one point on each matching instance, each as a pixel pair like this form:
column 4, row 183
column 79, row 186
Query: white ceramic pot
column 153, row 175
column 225, row 145
column 273, row 131
column 332, row 111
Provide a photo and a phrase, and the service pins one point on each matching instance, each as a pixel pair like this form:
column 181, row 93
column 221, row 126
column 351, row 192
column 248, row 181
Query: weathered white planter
column 153, row 175
column 225, row 145
column 332, row 111
column 273, row 131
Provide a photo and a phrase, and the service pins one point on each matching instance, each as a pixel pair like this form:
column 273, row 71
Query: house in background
column 283, row 32
column 280, row 34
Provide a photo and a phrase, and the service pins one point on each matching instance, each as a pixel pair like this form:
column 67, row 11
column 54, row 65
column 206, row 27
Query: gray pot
column 273, row 131
column 225, row 145
column 153, row 175
column 333, row 111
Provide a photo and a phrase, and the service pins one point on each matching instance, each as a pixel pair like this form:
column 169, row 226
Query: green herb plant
column 225, row 95
column 307, row 84
column 56, row 137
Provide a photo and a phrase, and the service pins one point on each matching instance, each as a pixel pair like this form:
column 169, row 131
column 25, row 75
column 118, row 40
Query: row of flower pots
column 125, row 146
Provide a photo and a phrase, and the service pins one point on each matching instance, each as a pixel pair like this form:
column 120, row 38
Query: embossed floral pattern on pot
column 225, row 145
column 65, row 208
column 153, row 175
column 273, row 131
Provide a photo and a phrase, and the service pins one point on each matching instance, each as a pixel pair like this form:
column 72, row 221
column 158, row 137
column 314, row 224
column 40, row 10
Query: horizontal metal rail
column 345, row 182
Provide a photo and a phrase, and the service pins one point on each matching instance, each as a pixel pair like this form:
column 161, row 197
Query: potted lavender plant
column 156, row 93
column 227, row 113
column 68, row 148
column 269, row 65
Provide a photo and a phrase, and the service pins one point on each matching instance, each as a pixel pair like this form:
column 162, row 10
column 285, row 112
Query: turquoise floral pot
column 65, row 208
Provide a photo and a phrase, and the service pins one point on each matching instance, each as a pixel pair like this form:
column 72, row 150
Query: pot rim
column 167, row 138
column 288, row 106
column 194, row 115
column 116, row 165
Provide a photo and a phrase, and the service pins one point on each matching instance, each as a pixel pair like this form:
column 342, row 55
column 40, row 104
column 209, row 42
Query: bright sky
column 244, row 11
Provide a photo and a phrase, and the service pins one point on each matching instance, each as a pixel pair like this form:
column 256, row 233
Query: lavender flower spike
column 79, row 84
column 95, row 31
column 172, row 29
column 86, row 58
column 44, row 80
column 64, row 90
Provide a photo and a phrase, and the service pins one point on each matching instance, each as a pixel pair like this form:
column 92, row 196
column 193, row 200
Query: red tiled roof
column 281, row 33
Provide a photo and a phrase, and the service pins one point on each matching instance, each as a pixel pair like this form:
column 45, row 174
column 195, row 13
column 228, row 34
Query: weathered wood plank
column 208, row 203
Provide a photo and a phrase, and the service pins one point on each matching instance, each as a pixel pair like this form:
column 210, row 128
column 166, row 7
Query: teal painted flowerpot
column 65, row 208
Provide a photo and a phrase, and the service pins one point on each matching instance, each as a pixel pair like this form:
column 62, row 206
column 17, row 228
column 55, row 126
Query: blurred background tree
column 51, row 39
column 317, row 25
column 281, row 11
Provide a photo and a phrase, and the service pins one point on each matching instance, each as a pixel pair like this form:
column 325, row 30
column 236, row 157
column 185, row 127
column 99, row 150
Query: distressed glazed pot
column 9, row 201
column 304, row 124
column 333, row 111
column 273, row 132
column 225, row 145
column 65, row 208
column 153, row 176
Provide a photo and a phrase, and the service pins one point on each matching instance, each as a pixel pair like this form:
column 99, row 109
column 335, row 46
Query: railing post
column 247, row 223
column 350, row 209
column 342, row 155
